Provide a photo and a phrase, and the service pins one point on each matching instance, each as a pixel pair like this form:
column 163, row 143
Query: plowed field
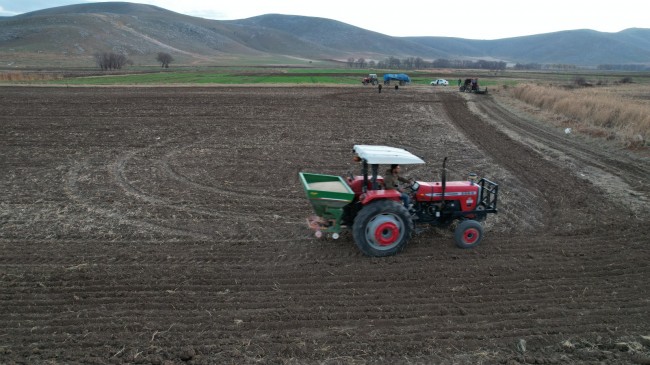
column 167, row 225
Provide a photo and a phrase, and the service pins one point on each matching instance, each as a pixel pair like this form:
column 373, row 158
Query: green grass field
column 146, row 75
column 236, row 76
column 262, row 76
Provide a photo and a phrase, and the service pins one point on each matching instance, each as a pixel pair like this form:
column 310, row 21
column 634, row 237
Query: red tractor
column 381, row 224
column 371, row 79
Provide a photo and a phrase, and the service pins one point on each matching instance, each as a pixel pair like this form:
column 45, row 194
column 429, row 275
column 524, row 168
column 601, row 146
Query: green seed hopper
column 328, row 194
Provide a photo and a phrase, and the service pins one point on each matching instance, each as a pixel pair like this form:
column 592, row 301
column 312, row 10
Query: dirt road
column 167, row 225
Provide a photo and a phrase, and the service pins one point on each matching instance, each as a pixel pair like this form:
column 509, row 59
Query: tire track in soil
column 118, row 171
column 634, row 173
column 629, row 169
column 565, row 198
column 71, row 189
column 164, row 163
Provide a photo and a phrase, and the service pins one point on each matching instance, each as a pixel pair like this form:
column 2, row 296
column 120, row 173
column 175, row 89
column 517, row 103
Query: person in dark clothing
column 392, row 180
column 379, row 87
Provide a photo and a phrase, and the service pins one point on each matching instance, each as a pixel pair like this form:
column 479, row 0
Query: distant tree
column 408, row 62
column 361, row 62
column 372, row 63
column 391, row 62
column 624, row 67
column 111, row 61
column 527, row 66
column 560, row 66
column 165, row 59
column 418, row 63
column 351, row 62
column 442, row 63
column 394, row 62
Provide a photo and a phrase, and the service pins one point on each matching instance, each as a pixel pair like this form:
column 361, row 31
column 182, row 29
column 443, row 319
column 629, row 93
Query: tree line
column 111, row 61
column 108, row 61
column 417, row 63
column 631, row 67
column 115, row 61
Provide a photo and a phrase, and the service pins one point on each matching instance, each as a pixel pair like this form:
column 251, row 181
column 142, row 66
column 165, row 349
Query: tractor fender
column 374, row 195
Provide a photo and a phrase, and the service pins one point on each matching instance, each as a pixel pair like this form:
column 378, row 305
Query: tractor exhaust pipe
column 444, row 180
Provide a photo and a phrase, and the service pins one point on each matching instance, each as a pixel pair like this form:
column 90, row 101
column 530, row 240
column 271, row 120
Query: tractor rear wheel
column 382, row 228
column 468, row 234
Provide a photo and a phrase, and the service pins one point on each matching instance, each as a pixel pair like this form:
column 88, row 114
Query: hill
column 578, row 47
column 71, row 35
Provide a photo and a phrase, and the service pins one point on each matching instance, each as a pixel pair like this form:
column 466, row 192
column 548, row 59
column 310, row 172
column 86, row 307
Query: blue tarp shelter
column 403, row 78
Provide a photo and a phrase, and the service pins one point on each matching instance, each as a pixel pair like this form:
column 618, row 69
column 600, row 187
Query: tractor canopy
column 375, row 155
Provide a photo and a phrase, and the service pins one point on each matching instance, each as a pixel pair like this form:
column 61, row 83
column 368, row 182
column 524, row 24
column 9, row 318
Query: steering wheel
column 412, row 186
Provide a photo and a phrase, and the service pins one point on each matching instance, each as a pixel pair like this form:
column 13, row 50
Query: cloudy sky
column 470, row 19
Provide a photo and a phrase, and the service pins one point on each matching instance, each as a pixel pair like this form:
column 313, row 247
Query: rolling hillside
column 71, row 35
column 578, row 47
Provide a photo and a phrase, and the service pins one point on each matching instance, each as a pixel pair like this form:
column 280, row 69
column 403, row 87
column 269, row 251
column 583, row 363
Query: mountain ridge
column 74, row 33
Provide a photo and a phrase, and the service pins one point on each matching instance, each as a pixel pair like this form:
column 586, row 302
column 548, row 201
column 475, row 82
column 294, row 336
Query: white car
column 440, row 82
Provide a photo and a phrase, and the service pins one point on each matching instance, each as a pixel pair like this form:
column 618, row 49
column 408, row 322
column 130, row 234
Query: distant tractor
column 471, row 86
column 402, row 79
column 371, row 79
column 381, row 224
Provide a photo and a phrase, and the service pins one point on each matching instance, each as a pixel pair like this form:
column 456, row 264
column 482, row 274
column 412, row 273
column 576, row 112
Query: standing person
column 459, row 82
column 379, row 87
column 391, row 181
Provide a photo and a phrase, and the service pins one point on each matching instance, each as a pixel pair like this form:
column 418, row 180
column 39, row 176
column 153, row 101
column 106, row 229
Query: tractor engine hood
column 454, row 190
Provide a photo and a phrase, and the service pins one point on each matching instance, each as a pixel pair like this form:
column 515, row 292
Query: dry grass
column 599, row 112
column 29, row 76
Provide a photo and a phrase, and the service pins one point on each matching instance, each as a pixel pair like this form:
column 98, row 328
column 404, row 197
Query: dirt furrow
column 167, row 224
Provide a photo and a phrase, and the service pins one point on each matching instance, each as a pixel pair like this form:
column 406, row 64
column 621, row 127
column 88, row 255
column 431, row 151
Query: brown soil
column 167, row 225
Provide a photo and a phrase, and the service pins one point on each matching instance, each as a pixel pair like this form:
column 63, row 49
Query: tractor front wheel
column 382, row 228
column 468, row 234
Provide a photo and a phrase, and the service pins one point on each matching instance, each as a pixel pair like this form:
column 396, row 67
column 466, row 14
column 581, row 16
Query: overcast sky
column 452, row 18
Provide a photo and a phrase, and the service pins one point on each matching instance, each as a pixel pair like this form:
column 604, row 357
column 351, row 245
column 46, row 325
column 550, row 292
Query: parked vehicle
column 381, row 224
column 440, row 82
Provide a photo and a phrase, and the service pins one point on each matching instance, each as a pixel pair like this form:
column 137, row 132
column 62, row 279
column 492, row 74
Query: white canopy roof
column 386, row 155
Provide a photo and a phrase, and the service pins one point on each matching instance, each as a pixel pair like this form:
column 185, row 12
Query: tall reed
column 595, row 111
